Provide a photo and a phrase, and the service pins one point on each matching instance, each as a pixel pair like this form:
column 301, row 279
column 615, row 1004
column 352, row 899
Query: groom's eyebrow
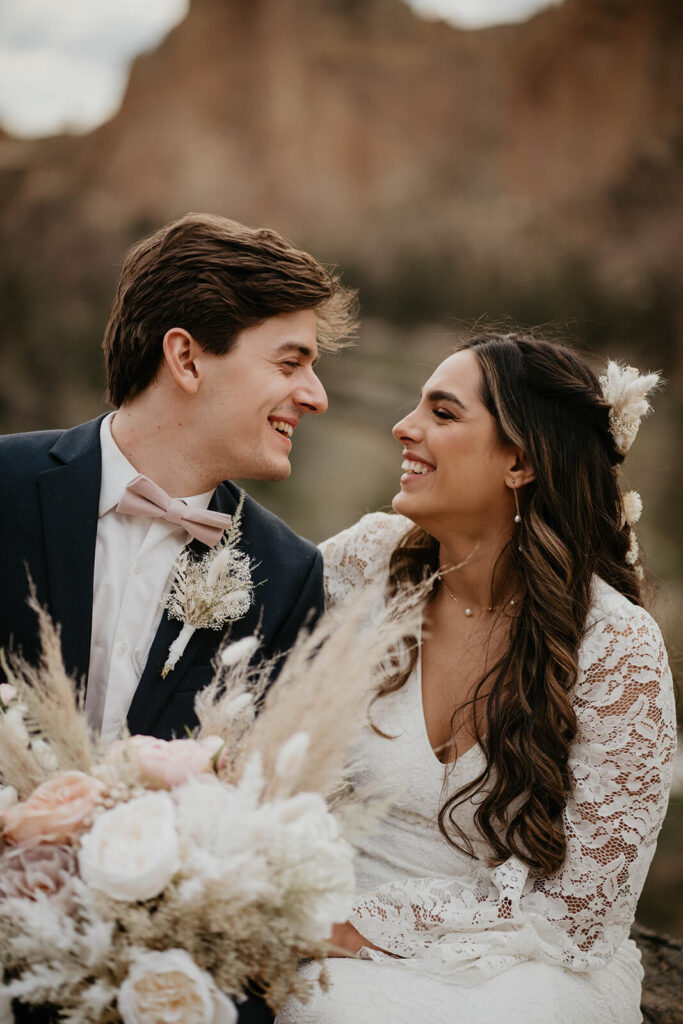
column 446, row 396
column 302, row 350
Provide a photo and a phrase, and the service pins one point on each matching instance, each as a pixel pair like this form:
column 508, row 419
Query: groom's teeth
column 408, row 466
column 284, row 428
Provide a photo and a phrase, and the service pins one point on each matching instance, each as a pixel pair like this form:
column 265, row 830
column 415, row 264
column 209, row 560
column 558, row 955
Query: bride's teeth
column 408, row 466
column 284, row 428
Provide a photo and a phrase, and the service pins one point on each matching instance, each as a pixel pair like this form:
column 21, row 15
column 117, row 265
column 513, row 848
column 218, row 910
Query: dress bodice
column 403, row 764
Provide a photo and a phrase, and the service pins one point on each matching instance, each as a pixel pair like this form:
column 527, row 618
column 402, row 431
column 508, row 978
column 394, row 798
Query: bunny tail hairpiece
column 626, row 390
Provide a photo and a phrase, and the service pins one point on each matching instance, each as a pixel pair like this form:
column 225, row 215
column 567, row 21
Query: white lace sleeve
column 359, row 557
column 621, row 766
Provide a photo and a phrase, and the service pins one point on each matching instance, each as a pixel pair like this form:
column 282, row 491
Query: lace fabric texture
column 453, row 917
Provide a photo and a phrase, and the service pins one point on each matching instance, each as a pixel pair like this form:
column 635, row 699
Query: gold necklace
column 468, row 611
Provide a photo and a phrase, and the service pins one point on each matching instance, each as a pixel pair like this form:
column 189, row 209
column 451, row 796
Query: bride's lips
column 415, row 467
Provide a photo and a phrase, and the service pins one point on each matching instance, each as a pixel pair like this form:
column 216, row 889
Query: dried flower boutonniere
column 210, row 591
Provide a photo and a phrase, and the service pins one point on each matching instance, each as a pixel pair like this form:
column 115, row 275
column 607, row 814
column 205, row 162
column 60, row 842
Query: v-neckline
column 425, row 732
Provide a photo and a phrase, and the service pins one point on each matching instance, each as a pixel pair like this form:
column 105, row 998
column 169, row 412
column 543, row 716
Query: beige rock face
column 363, row 130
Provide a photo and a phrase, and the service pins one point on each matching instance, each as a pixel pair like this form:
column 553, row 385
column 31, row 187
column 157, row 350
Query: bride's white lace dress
column 474, row 945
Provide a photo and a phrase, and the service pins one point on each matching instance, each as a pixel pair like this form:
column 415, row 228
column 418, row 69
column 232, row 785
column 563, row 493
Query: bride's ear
column 520, row 471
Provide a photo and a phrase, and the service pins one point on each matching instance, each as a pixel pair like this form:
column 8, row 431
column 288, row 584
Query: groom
column 210, row 351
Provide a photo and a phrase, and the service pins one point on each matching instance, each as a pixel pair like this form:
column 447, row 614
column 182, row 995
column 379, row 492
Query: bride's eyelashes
column 444, row 414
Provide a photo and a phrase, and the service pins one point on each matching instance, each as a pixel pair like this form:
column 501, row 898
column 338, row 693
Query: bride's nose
column 407, row 429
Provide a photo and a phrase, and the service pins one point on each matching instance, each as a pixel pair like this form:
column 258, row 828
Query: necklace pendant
column 468, row 612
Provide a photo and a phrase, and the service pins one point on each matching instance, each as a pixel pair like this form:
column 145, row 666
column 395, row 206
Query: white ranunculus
column 131, row 852
column 218, row 842
column 169, row 988
column 311, row 856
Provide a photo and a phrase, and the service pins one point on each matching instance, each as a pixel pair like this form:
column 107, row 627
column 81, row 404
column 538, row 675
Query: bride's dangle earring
column 518, row 514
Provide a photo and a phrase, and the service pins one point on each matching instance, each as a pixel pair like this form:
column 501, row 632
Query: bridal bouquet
column 150, row 881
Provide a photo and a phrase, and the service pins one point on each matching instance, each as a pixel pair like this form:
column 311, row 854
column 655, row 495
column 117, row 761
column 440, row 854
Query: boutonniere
column 210, row 591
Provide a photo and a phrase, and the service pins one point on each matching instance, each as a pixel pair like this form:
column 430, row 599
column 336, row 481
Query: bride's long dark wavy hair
column 546, row 401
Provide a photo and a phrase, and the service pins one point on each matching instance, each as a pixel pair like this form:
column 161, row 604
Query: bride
column 528, row 731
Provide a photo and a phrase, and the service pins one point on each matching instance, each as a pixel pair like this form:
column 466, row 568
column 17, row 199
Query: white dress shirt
column 134, row 558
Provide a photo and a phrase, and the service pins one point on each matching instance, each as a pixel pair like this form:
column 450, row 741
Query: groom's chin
column 275, row 472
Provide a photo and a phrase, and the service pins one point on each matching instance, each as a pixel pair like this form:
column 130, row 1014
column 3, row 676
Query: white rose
column 169, row 988
column 131, row 852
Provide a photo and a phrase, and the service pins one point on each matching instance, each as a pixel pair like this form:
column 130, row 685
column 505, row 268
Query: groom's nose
column 311, row 396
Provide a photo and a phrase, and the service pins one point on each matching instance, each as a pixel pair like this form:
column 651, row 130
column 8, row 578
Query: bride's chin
column 402, row 503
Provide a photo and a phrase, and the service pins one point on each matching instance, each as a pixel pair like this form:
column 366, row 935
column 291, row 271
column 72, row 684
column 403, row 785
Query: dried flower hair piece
column 626, row 391
column 633, row 507
column 211, row 591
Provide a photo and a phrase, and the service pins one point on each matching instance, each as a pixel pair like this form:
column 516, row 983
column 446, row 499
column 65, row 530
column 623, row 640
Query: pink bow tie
column 142, row 497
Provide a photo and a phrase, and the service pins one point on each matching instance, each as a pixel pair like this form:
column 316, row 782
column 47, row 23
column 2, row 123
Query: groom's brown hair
column 214, row 278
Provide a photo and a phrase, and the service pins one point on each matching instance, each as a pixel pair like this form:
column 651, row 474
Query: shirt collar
column 117, row 473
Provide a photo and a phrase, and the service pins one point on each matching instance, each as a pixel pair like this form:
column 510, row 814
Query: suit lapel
column 153, row 691
column 69, row 496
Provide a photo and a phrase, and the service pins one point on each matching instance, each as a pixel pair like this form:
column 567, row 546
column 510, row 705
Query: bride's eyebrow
column 446, row 396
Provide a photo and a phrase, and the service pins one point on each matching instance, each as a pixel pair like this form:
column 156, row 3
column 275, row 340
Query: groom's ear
column 180, row 352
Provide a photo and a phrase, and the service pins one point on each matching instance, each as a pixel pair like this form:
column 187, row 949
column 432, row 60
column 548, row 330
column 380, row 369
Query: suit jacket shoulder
column 283, row 562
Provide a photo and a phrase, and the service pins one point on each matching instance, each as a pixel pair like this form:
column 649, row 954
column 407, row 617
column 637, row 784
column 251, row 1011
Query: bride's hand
column 347, row 940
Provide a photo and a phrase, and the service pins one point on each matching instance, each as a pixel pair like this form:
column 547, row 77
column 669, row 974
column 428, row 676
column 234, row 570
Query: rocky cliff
column 369, row 133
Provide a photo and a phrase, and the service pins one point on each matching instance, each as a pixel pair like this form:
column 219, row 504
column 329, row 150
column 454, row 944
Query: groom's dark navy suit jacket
column 49, row 496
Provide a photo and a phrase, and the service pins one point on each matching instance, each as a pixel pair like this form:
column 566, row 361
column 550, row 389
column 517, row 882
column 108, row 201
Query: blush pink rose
column 169, row 763
column 56, row 811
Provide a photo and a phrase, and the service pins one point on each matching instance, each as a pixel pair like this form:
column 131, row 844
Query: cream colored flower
column 633, row 507
column 625, row 390
column 56, row 811
column 131, row 852
column 169, row 988
column 633, row 549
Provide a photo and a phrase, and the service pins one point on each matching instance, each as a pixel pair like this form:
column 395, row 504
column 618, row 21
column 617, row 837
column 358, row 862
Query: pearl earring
column 518, row 517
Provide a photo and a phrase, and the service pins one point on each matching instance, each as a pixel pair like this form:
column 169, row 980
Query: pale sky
column 64, row 63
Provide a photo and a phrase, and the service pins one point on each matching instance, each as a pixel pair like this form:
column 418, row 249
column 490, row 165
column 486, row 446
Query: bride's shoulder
column 619, row 633
column 359, row 556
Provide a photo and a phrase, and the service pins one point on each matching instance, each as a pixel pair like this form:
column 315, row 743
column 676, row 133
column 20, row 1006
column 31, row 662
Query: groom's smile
column 253, row 397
